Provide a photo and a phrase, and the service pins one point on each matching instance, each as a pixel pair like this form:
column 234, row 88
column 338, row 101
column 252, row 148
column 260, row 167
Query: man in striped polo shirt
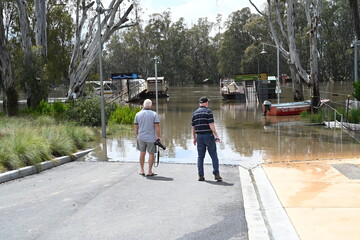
column 205, row 136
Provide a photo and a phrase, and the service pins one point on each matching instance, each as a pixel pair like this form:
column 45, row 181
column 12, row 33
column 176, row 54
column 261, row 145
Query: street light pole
column 100, row 10
column 156, row 59
column 356, row 42
column 278, row 87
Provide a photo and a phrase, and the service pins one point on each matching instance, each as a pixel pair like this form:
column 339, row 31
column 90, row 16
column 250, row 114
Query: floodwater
column 247, row 137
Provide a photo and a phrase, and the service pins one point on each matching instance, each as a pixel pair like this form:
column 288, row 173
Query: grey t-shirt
column 145, row 119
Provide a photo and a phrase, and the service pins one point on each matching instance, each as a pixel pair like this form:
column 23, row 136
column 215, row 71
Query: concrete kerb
column 265, row 215
column 29, row 170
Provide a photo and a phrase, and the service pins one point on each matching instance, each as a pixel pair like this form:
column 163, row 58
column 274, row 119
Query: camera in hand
column 158, row 143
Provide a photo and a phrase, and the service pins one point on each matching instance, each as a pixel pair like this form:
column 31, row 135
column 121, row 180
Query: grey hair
column 147, row 103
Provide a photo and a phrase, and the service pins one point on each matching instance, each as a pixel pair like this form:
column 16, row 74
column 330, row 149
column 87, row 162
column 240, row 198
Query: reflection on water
column 247, row 137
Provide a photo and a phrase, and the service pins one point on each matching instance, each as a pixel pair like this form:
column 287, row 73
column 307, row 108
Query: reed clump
column 32, row 140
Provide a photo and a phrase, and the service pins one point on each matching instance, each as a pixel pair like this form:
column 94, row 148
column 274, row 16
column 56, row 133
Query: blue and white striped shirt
column 201, row 119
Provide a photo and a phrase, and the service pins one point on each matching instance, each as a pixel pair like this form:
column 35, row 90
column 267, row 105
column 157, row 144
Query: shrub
column 123, row 115
column 59, row 108
column 354, row 116
column 55, row 109
column 87, row 111
column 313, row 117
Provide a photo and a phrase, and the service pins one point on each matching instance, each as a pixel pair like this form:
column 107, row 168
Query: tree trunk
column 298, row 92
column 86, row 50
column 40, row 26
column 35, row 86
column 314, row 69
column 355, row 13
column 10, row 103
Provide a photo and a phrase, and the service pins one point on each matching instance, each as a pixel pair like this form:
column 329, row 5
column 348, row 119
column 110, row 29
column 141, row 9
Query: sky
column 192, row 10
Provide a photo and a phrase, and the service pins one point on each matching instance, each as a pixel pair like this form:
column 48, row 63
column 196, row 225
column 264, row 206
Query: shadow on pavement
column 219, row 183
column 159, row 178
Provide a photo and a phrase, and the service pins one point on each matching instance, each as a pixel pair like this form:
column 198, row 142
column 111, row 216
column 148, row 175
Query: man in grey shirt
column 147, row 130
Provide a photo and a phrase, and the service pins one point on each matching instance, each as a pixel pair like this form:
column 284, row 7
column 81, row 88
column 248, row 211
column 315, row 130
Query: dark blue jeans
column 207, row 141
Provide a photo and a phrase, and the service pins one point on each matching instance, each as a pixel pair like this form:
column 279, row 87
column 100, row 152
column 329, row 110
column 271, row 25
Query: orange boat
column 283, row 109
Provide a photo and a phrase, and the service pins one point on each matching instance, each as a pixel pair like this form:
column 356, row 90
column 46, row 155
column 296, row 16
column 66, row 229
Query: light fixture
column 263, row 50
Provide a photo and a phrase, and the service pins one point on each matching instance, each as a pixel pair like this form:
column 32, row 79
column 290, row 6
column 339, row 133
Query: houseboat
column 162, row 87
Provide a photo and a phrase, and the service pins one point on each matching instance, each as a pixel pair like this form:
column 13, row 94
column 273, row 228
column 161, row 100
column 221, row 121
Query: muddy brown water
column 247, row 137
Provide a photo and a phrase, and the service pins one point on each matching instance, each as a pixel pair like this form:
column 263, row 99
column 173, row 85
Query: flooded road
column 247, row 137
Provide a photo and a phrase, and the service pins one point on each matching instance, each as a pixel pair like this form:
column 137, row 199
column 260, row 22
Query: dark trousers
column 207, row 141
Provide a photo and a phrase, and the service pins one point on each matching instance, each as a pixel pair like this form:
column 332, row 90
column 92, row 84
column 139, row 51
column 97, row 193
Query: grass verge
column 30, row 141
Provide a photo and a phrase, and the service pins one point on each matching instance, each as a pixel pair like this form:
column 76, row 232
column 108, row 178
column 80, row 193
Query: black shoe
column 218, row 178
column 201, row 178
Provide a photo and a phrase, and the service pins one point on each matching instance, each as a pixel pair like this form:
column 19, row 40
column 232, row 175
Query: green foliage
column 123, row 115
column 115, row 128
column 313, row 118
column 2, row 168
column 55, row 109
column 356, row 93
column 29, row 141
column 87, row 111
column 354, row 116
column 60, row 142
column 24, row 147
column 80, row 135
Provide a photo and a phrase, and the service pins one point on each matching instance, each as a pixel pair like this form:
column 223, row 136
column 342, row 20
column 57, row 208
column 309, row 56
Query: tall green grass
column 29, row 141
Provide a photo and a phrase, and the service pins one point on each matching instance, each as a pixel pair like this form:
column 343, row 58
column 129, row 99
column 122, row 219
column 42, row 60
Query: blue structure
column 124, row 76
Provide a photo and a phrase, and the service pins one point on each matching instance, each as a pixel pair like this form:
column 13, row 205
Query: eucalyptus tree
column 34, row 55
column 354, row 7
column 334, row 42
column 234, row 42
column 168, row 40
column 86, row 45
column 253, row 61
column 7, row 81
column 203, row 51
column 60, row 31
column 284, row 36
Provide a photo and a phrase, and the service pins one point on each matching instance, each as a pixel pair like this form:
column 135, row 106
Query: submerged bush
column 354, row 116
column 115, row 128
column 123, row 115
column 313, row 117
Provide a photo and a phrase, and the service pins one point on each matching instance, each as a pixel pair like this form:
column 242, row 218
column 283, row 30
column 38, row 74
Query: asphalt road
column 110, row 200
